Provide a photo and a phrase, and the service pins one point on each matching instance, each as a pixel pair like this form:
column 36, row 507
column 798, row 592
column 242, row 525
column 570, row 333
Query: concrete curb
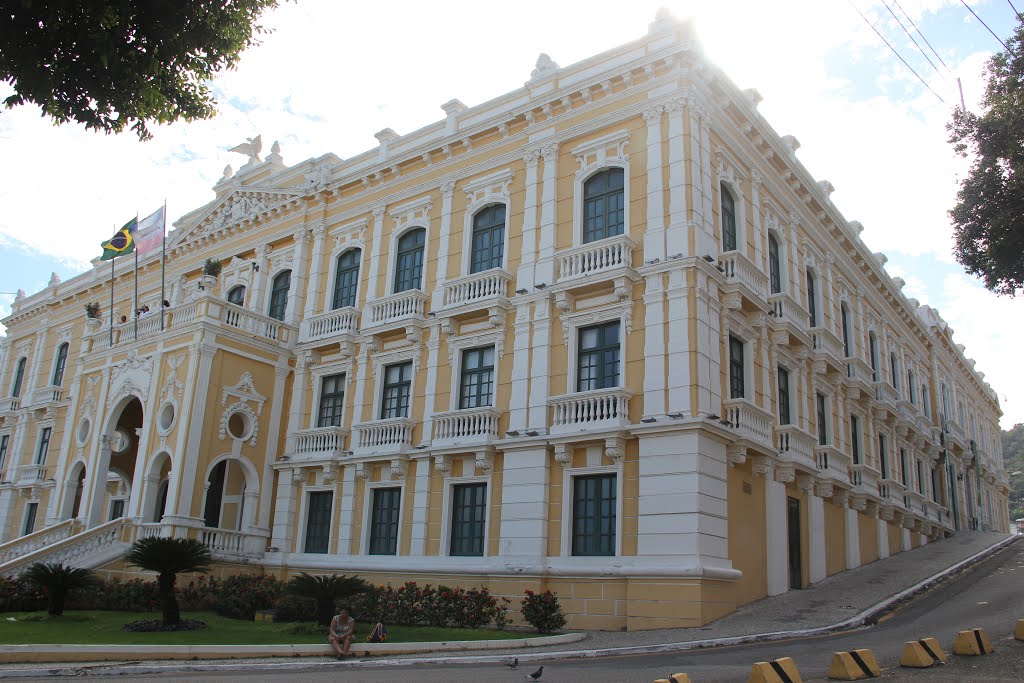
column 856, row 621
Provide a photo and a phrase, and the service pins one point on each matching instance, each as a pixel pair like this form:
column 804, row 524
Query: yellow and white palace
column 604, row 334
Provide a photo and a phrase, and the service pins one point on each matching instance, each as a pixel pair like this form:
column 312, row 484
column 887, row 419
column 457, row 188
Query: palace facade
column 604, row 334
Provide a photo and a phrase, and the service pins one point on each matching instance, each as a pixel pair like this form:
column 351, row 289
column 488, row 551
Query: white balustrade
column 891, row 491
column 795, row 445
column 410, row 304
column 785, row 309
column 31, row 472
column 149, row 530
column 334, row 323
column 738, row 269
column 859, row 371
column 254, row 323
column 825, row 342
column 832, row 463
column 597, row 409
column 391, row 434
column 223, row 541
column 30, row 543
column 488, row 285
column 89, row 548
column 596, row 257
column 749, row 421
column 9, row 404
column 49, row 394
column 323, row 442
column 465, row 425
column 865, row 477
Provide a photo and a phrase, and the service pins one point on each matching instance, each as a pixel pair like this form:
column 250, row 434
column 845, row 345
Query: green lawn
column 104, row 628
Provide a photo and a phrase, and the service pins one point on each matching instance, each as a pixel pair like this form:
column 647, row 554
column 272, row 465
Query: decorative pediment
column 244, row 391
column 243, row 207
column 133, row 376
column 173, row 387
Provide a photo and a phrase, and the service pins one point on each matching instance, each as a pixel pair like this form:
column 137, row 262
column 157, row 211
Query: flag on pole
column 150, row 233
column 123, row 242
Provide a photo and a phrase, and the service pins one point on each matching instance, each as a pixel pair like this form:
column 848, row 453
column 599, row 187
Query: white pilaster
column 259, row 281
column 539, row 367
column 816, row 538
column 266, row 492
column 777, row 534
column 545, row 270
column 347, row 510
column 420, row 507
column 678, row 371
column 437, row 298
column 883, row 539
column 430, row 395
column 676, row 238
column 297, row 284
column 375, row 253
column 94, row 484
column 905, row 540
column 519, row 396
column 298, row 410
column 654, row 235
column 654, row 345
column 184, row 470
column 283, row 537
column 852, row 539
column 524, row 504
column 525, row 275
column 316, row 264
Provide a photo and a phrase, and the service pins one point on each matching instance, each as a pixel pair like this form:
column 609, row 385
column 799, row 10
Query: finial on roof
column 19, row 296
column 664, row 20
column 275, row 154
column 545, row 66
column 228, row 172
column 54, row 279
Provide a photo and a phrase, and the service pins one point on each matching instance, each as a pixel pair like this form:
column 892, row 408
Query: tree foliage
column 109, row 64
column 326, row 590
column 58, row 579
column 988, row 219
column 168, row 557
column 1013, row 461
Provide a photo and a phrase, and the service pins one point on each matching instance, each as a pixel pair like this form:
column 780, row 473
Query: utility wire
column 1014, row 9
column 934, row 52
column 916, row 44
column 986, row 26
column 868, row 21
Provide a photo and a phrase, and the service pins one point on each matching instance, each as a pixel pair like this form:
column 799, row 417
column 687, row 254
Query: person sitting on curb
column 343, row 628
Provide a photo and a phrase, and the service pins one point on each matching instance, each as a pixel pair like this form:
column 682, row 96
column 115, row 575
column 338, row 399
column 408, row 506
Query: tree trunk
column 324, row 611
column 57, row 598
column 168, row 600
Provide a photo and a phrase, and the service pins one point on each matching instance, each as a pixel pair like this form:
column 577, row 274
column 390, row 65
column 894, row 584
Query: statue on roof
column 251, row 147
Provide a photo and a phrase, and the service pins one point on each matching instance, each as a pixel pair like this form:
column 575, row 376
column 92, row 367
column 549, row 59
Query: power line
column 934, row 52
column 868, row 21
column 986, row 26
column 1014, row 9
column 911, row 36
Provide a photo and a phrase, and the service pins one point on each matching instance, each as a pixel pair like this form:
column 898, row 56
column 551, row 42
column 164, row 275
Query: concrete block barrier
column 782, row 670
column 972, row 642
column 675, row 678
column 921, row 654
column 1018, row 631
column 854, row 665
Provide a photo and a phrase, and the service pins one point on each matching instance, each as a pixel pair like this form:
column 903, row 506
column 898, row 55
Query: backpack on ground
column 378, row 634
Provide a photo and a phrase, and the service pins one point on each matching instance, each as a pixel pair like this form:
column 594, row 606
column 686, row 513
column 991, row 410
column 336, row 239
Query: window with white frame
column 318, row 521
column 332, row 401
column 903, row 467
column 774, row 265
column 883, row 457
column 44, row 445
column 729, row 242
column 598, row 356
column 5, row 440
column 844, row 315
column 116, row 508
column 488, row 245
column 894, row 367
column 812, row 298
column 604, row 208
column 855, row 439
column 737, row 368
column 396, row 391
column 469, row 515
column 873, row 353
column 236, row 295
column 279, row 295
column 346, row 279
column 784, row 400
column 594, row 514
column 60, row 364
column 822, row 418
column 920, row 477
column 19, row 377
column 31, row 510
column 409, row 260
column 384, row 520
column 911, row 387
column 476, row 388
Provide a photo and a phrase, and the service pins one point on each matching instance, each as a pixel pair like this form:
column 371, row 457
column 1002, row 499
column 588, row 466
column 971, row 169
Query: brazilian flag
column 123, row 242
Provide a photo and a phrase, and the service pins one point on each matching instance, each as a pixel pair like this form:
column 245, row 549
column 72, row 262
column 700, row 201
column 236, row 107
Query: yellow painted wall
column 747, row 533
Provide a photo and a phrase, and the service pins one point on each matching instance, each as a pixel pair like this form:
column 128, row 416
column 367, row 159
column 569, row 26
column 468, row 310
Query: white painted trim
column 382, row 360
column 364, row 535
column 568, row 475
column 304, row 491
column 593, row 158
column 482, row 193
column 573, row 321
column 317, row 373
column 446, row 507
column 340, row 250
column 409, row 216
column 457, row 346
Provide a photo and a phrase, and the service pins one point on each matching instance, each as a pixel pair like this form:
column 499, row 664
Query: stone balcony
column 787, row 316
column 486, row 291
column 47, row 397
column 467, row 427
column 319, row 443
column 859, row 379
column 340, row 325
column 31, row 473
column 594, row 263
column 827, row 351
column 752, row 424
column 403, row 310
column 796, row 447
column 864, row 479
column 9, row 405
column 598, row 410
column 886, row 401
column 955, row 435
column 745, row 287
column 914, row 502
column 832, row 464
column 891, row 492
column 383, row 437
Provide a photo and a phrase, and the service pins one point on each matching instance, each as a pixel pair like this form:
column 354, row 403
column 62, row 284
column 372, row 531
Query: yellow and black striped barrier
column 923, row 653
column 1018, row 631
column 972, row 642
column 854, row 665
column 675, row 678
column 782, row 670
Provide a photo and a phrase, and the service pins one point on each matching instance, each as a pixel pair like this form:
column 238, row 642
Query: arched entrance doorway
column 118, row 454
column 231, row 491
column 74, row 492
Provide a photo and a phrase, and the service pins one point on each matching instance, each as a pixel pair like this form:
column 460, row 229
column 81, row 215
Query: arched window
column 812, row 298
column 873, row 352
column 237, row 295
column 728, row 220
column 604, row 206
column 488, row 247
column 894, row 367
column 58, row 367
column 19, row 377
column 911, row 389
column 774, row 266
column 346, row 279
column 279, row 294
column 845, row 315
column 409, row 261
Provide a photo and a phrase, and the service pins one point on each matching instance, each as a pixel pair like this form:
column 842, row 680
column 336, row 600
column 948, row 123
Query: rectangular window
column 477, row 383
column 397, row 386
column 593, row 515
column 116, row 509
column 783, row 396
column 488, row 246
column 30, row 519
column 855, row 439
column 812, row 301
column 926, row 401
column 883, row 457
column 819, row 404
column 903, row 467
column 44, row 445
column 4, row 441
column 384, row 521
column 920, row 477
column 598, row 357
column 911, row 389
column 736, row 368
column 469, row 513
column 332, row 401
column 318, row 521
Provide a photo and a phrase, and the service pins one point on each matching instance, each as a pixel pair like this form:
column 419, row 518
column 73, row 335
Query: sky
column 332, row 74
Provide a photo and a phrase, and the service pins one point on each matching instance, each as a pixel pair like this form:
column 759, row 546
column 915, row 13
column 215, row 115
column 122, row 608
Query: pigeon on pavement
column 535, row 676
column 513, row 663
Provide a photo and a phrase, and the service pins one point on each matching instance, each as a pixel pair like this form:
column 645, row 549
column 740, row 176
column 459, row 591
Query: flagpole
column 163, row 266
column 112, row 301
column 136, row 250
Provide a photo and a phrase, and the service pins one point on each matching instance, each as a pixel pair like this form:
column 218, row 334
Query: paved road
column 988, row 595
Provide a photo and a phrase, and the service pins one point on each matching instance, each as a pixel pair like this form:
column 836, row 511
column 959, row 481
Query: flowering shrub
column 411, row 604
column 542, row 611
column 133, row 595
column 200, row 594
column 239, row 596
column 292, row 608
column 20, row 595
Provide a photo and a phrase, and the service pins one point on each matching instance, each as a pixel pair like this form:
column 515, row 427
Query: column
column 525, row 275
column 185, row 466
column 363, row 361
column 375, row 253
column 346, row 512
column 654, row 235
column 707, row 174
column 852, row 539
column 281, row 372
column 437, row 299
column 541, row 353
column 134, row 505
column 518, row 404
column 816, row 537
column 524, row 505
column 53, row 511
column 421, row 505
column 777, row 534
column 677, row 237
column 760, row 236
column 259, row 280
column 285, row 507
column 768, row 366
column 90, row 508
column 883, row 539
column 795, row 270
column 300, row 266
column 297, row 406
column 707, row 345
column 830, row 304
column 654, row 345
column 430, row 390
column 319, row 231
column 545, row 269
column 32, row 373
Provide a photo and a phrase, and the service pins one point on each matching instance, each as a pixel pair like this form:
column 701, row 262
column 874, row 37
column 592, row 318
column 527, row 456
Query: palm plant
column 326, row 590
column 58, row 579
column 168, row 557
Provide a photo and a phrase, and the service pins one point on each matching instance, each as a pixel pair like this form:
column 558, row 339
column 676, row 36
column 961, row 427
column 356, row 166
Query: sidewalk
column 834, row 600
